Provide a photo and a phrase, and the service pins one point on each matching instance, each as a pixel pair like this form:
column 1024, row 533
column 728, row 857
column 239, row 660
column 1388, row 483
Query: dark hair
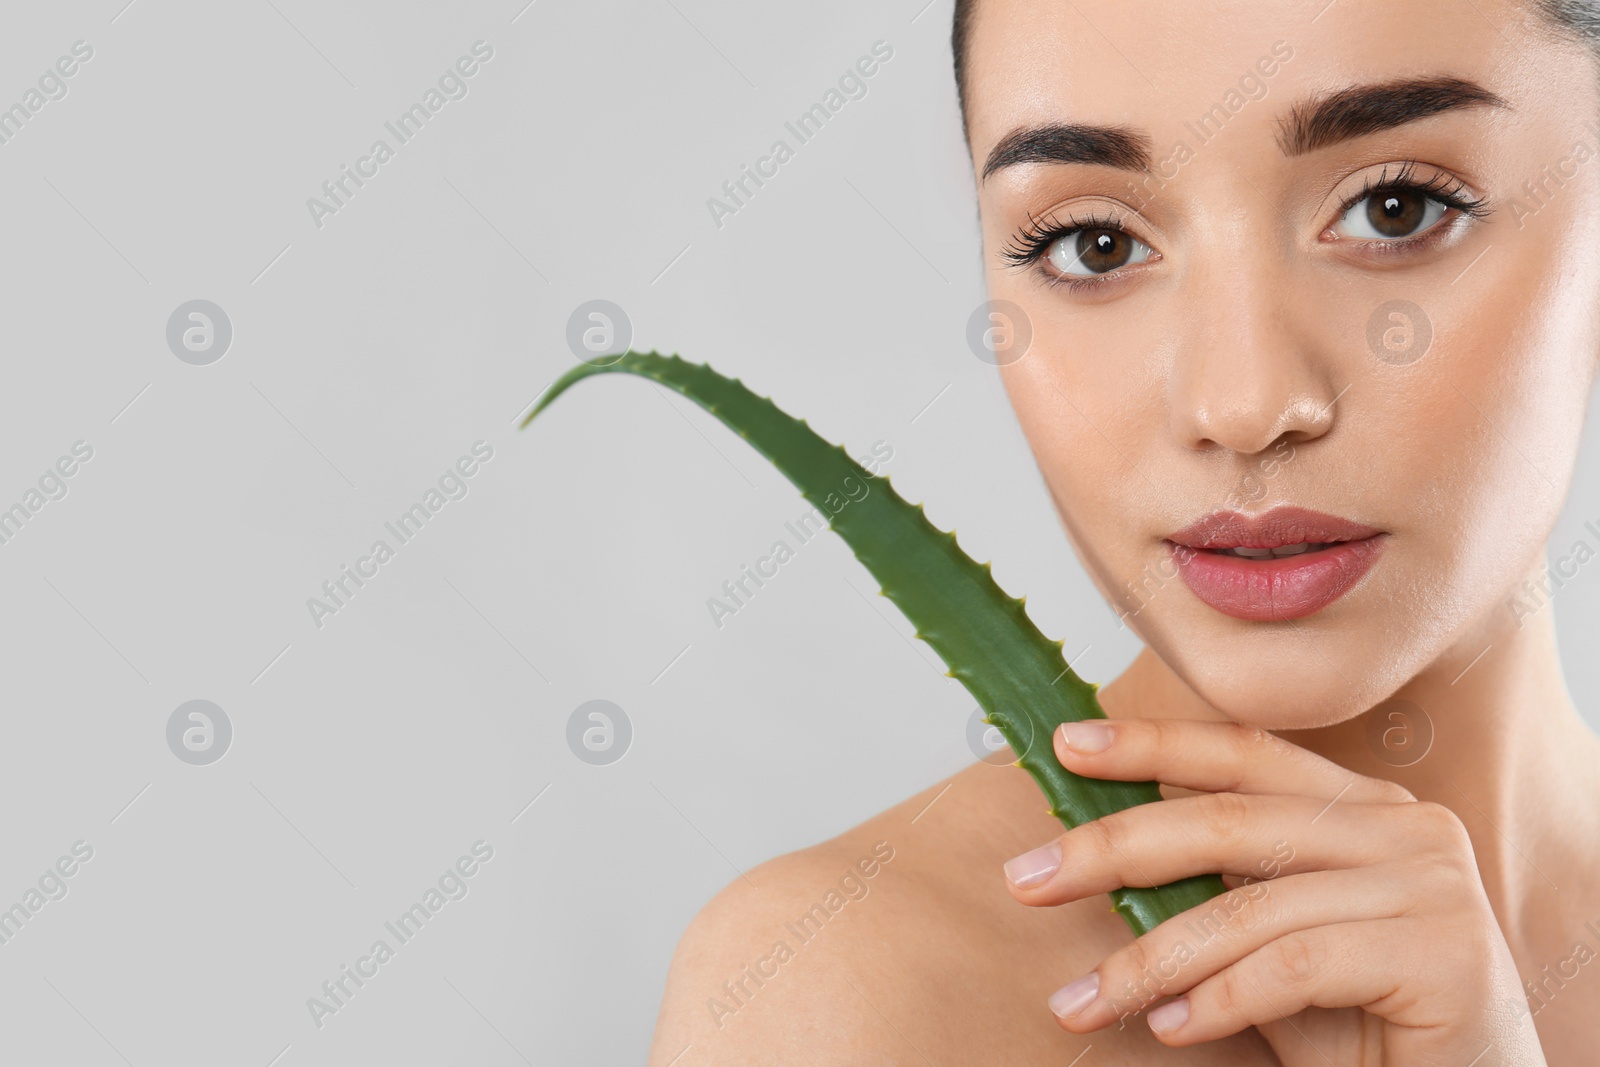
column 1578, row 20
column 960, row 31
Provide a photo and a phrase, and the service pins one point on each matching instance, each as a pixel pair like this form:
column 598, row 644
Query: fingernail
column 1169, row 1017
column 1030, row 868
column 1073, row 997
column 1086, row 736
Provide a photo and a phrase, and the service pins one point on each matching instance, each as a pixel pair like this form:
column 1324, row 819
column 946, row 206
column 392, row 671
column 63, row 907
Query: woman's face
column 1341, row 257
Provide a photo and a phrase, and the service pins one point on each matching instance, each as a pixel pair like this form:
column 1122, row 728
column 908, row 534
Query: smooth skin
column 1392, row 914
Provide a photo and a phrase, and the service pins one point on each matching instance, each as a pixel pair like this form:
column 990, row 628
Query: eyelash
column 1030, row 244
column 1446, row 190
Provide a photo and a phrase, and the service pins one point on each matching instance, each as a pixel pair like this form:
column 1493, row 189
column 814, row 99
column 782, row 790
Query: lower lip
column 1290, row 587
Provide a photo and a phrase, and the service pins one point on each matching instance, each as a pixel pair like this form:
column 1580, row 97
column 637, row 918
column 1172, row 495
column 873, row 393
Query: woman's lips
column 1318, row 559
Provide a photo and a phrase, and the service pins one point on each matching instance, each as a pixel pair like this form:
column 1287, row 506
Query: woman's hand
column 1356, row 930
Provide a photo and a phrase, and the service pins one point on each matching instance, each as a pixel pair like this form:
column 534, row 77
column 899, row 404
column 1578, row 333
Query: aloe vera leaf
column 983, row 635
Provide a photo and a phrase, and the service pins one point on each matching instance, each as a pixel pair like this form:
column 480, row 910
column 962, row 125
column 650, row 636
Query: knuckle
column 1229, row 996
column 1297, row 960
column 1436, row 885
column 1109, row 837
column 1145, row 742
column 1252, row 909
column 1225, row 815
column 1440, row 829
column 1164, row 737
column 1250, row 741
column 1145, row 971
column 1129, row 968
column 1251, row 746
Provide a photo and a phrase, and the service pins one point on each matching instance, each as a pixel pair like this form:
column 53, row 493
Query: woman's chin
column 1280, row 708
column 1283, row 680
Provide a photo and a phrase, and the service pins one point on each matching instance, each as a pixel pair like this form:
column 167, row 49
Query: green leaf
column 983, row 635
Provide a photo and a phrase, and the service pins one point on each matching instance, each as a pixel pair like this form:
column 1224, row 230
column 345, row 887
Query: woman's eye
column 1086, row 252
column 1390, row 215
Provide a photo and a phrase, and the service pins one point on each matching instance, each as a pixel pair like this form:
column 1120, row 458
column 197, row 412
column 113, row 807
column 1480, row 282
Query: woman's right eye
column 1087, row 252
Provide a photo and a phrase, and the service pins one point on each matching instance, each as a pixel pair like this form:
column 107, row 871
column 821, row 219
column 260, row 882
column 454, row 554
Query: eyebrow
column 1363, row 109
column 1326, row 120
column 1062, row 142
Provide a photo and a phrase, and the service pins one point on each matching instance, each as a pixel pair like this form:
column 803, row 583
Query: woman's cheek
column 1095, row 491
column 1493, row 424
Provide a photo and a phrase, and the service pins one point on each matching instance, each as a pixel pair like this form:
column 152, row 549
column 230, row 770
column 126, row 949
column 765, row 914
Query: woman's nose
column 1250, row 371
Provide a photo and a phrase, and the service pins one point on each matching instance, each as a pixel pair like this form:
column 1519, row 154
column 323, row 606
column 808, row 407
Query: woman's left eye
column 1390, row 215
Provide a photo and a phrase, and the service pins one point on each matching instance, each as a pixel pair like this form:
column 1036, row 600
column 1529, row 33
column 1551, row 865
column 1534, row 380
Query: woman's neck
column 1509, row 754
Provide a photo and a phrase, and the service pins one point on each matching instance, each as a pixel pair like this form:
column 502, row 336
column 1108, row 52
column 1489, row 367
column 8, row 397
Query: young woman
column 1313, row 290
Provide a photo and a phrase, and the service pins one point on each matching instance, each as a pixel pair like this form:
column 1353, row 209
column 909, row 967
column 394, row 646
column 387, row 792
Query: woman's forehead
column 1157, row 67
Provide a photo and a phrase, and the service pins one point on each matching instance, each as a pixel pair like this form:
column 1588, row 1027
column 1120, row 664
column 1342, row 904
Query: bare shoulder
column 789, row 964
column 762, row 973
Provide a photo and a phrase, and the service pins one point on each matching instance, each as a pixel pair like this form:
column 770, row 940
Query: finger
column 1214, row 757
column 1189, row 948
column 1324, row 967
column 1225, row 833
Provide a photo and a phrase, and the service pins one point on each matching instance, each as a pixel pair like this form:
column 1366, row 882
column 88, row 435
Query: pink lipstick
column 1286, row 563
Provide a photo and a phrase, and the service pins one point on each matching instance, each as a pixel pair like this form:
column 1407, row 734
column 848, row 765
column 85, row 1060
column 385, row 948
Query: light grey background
column 367, row 356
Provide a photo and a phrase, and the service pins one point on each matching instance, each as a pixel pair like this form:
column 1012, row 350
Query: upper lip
column 1271, row 529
